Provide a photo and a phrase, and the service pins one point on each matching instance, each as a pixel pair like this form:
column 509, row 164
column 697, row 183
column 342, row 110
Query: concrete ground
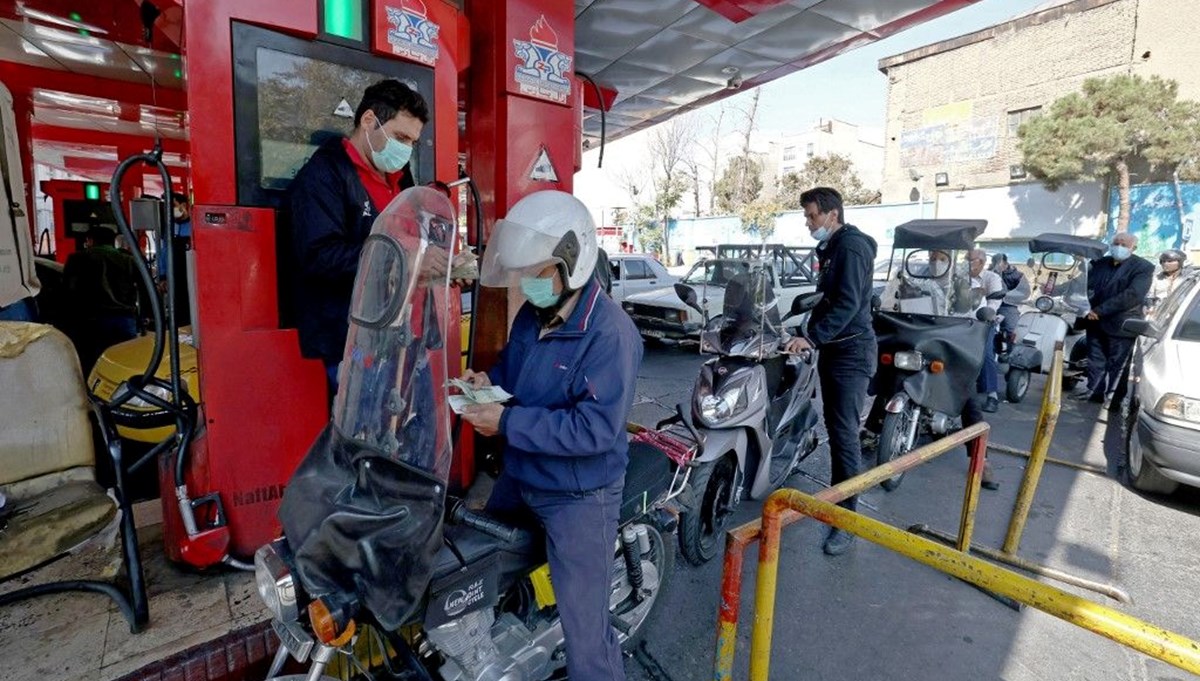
column 868, row 615
column 871, row 614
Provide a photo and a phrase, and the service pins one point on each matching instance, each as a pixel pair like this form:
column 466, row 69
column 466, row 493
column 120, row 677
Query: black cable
column 475, row 284
column 603, row 123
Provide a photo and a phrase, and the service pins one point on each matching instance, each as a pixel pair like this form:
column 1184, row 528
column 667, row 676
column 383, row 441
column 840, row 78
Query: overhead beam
column 23, row 78
column 98, row 138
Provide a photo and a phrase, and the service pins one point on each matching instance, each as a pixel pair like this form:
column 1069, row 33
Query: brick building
column 954, row 106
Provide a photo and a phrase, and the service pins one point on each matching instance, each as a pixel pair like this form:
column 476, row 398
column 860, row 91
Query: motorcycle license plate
column 293, row 637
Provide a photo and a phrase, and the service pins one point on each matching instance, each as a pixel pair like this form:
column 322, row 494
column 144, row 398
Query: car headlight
column 275, row 584
column 628, row 307
column 1179, row 407
column 908, row 361
column 158, row 391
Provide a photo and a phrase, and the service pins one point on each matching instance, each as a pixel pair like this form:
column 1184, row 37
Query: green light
column 91, row 191
column 344, row 18
column 75, row 16
column 175, row 56
column 178, row 73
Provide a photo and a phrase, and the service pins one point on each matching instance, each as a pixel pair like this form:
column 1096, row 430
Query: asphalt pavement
column 871, row 614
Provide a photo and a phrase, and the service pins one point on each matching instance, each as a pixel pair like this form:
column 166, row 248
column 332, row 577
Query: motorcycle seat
column 525, row 552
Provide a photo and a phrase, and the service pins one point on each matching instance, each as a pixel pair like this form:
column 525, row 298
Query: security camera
column 734, row 82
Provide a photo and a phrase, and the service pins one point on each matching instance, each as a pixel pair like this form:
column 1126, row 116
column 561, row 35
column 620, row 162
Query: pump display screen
column 292, row 95
column 80, row 214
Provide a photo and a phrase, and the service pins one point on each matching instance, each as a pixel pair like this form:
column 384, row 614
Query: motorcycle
column 752, row 417
column 374, row 554
column 931, row 328
column 1060, row 284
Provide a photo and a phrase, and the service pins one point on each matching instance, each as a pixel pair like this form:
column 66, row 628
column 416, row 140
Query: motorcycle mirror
column 985, row 314
column 688, row 295
column 805, row 303
column 1142, row 327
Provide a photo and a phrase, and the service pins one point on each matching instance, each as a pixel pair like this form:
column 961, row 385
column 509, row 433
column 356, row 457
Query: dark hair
column 102, row 235
column 389, row 97
column 826, row 198
column 999, row 257
column 177, row 197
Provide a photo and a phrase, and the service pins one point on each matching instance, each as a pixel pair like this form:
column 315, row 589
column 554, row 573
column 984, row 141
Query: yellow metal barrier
column 1047, row 419
column 738, row 539
column 1147, row 638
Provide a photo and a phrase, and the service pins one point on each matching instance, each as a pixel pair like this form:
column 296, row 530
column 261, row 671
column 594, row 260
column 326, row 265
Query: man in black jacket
column 333, row 202
column 840, row 327
column 1117, row 288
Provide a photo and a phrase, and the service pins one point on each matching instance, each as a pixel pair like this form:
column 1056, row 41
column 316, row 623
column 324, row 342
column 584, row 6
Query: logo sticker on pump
column 542, row 69
column 411, row 34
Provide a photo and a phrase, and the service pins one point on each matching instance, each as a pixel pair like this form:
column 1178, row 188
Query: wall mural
column 1159, row 217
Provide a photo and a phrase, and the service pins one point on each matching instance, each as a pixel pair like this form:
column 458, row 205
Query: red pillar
column 519, row 114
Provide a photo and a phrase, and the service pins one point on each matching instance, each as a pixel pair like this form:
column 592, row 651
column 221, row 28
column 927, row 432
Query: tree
column 827, row 171
column 670, row 145
column 712, row 152
column 758, row 217
column 740, row 184
column 1114, row 124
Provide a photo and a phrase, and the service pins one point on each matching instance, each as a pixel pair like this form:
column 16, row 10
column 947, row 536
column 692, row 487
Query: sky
column 849, row 87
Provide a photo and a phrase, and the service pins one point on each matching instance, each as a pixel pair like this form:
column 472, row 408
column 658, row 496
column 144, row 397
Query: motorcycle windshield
column 750, row 316
column 392, row 381
column 1064, row 278
column 934, row 282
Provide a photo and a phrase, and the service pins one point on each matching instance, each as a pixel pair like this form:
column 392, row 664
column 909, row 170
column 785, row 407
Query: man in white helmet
column 571, row 363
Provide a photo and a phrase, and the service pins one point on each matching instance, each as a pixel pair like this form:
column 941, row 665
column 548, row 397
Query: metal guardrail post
column 966, row 525
column 1159, row 643
column 1047, row 419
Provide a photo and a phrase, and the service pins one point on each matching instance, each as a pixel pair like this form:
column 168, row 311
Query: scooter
column 377, row 567
column 1060, row 286
column 752, row 411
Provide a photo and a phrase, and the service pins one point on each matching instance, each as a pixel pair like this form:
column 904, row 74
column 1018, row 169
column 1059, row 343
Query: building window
column 1016, row 118
column 789, row 169
column 810, row 150
column 789, row 153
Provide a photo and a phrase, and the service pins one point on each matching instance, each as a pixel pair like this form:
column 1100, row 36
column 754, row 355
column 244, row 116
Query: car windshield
column 715, row 272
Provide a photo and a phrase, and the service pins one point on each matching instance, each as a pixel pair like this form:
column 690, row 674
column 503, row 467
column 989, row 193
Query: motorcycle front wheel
column 894, row 442
column 703, row 524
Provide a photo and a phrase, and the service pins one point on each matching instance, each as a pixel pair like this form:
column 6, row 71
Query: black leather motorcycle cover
column 956, row 341
column 359, row 523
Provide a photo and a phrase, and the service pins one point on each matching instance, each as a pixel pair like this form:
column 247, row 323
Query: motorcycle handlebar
column 461, row 515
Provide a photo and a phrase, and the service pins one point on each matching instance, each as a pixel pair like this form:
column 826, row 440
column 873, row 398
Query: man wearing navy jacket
column 333, row 202
column 571, row 364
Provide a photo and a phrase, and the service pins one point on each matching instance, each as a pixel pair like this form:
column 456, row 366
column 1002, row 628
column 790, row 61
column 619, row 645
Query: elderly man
column 985, row 282
column 1117, row 288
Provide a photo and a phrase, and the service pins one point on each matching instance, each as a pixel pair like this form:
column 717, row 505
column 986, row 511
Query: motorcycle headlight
column 275, row 584
column 908, row 361
column 731, row 399
column 1179, row 407
column 1044, row 303
column 158, row 391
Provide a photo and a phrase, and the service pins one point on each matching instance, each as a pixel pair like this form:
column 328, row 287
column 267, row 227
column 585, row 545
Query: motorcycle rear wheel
column 1016, row 384
column 662, row 557
column 703, row 524
column 893, row 442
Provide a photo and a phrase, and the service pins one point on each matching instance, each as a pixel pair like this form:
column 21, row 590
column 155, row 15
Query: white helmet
column 544, row 228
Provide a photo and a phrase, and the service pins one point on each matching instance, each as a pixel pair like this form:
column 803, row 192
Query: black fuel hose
column 185, row 413
column 478, row 204
column 603, row 122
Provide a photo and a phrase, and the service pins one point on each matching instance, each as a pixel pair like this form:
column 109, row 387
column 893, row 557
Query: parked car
column 634, row 273
column 662, row 315
column 1163, row 434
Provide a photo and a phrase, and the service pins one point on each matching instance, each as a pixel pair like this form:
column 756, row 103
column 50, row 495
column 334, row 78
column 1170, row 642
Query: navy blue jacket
column 573, row 389
column 1118, row 292
column 847, row 264
column 330, row 216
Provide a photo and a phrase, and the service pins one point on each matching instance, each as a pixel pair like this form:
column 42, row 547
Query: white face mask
column 178, row 213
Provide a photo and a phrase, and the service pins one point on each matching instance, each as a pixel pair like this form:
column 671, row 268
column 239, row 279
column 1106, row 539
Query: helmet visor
column 516, row 251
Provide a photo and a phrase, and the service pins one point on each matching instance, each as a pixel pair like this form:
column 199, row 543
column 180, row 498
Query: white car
column 634, row 273
column 661, row 314
column 1163, row 445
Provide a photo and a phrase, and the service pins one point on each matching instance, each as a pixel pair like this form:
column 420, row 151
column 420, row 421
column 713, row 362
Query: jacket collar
column 581, row 317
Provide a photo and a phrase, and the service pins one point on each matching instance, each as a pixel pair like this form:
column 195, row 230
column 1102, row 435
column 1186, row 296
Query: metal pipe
column 1085, row 467
column 739, row 538
column 1113, row 592
column 1047, row 419
column 1159, row 643
column 966, row 524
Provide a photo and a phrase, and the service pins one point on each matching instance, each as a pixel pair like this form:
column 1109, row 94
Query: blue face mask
column 539, row 291
column 394, row 155
column 822, row 233
column 1120, row 252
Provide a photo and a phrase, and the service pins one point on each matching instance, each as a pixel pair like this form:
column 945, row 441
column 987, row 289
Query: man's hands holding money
column 477, row 379
column 484, row 417
column 480, row 401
